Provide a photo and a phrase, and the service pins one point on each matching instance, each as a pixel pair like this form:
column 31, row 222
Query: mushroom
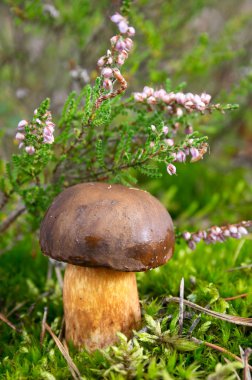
column 105, row 233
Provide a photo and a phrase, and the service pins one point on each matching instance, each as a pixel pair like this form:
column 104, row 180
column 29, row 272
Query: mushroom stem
column 98, row 303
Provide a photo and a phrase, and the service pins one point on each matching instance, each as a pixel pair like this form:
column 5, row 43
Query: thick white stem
column 98, row 303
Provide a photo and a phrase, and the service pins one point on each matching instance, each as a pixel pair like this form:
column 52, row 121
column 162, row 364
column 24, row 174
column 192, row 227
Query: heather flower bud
column 192, row 244
column 131, row 31
column 107, row 72
column 123, row 26
column 165, row 130
column 139, row 96
column 120, row 60
column 48, row 138
column 186, row 235
column 148, row 91
column 194, row 152
column 20, row 136
column 179, row 112
column 205, row 98
column 107, row 84
column 233, row 229
column 120, row 45
column 21, row 125
column 169, row 142
column 116, row 18
column 171, row 169
column 188, row 130
column 101, row 61
column 30, row 150
column 152, row 144
column 113, row 40
column 128, row 43
column 242, row 230
column 153, row 128
column 151, row 100
column 180, row 98
column 181, row 156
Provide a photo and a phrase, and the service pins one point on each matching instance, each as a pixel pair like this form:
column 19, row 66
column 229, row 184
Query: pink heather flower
column 38, row 121
column 123, row 26
column 194, row 152
column 116, row 18
column 189, row 130
column 139, row 96
column 233, row 229
column 152, row 144
column 131, row 31
column 179, row 112
column 107, row 72
column 192, row 245
column 169, row 142
column 21, row 145
column 189, row 97
column 171, row 169
column 148, row 91
column 48, row 131
column 153, row 128
column 128, row 43
column 151, row 100
column 226, row 233
column 242, row 230
column 113, row 40
column 180, row 98
column 205, row 98
column 188, row 105
column 30, row 150
column 50, row 125
column 181, row 156
column 48, row 139
column 167, row 98
column 20, row 136
column 160, row 93
column 21, row 125
column 186, row 235
column 101, row 61
column 107, row 84
column 35, row 111
column 120, row 60
column 165, row 129
column 120, row 45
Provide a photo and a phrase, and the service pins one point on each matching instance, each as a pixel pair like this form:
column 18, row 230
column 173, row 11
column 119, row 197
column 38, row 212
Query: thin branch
column 5, row 320
column 218, row 348
column 43, row 328
column 11, row 218
column 181, row 306
column 237, row 297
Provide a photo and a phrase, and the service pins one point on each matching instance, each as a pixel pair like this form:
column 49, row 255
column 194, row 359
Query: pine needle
column 71, row 365
column 225, row 317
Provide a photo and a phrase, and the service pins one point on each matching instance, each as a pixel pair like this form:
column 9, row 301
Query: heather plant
column 105, row 134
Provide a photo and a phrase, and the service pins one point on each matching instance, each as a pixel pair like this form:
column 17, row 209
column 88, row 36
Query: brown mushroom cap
column 112, row 226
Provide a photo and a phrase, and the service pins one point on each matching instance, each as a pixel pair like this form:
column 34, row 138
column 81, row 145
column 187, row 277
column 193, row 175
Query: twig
column 236, row 297
column 43, row 329
column 225, row 317
column 241, row 267
column 11, row 218
column 4, row 319
column 71, row 365
column 218, row 348
column 245, row 356
column 181, row 305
